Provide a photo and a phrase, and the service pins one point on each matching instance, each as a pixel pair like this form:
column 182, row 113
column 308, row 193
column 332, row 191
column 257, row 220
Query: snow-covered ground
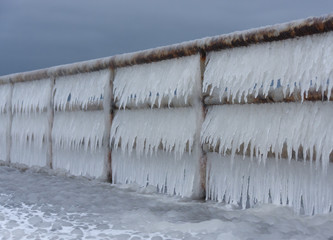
column 42, row 205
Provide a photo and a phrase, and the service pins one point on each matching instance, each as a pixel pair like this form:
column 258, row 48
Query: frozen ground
column 40, row 205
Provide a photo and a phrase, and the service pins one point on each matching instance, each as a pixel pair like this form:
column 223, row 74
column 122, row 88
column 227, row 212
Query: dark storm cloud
column 38, row 33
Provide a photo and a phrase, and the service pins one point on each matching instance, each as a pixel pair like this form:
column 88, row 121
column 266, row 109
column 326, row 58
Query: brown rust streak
column 295, row 29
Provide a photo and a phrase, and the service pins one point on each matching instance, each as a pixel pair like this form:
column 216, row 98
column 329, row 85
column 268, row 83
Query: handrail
column 298, row 28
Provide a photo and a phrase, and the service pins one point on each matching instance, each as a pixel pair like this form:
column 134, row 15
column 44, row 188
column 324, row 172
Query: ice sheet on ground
column 39, row 205
column 80, row 89
column 299, row 63
column 172, row 79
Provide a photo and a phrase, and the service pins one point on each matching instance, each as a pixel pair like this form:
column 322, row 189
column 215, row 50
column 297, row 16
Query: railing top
column 276, row 32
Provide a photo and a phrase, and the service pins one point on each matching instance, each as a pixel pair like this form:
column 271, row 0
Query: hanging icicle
column 156, row 83
column 80, row 89
column 29, row 139
column 144, row 131
column 161, row 169
column 295, row 64
column 78, row 130
column 5, row 90
column 246, row 183
column 31, row 97
column 267, row 127
column 78, row 162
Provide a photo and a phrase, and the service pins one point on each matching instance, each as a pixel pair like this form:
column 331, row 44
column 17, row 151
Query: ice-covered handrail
column 277, row 32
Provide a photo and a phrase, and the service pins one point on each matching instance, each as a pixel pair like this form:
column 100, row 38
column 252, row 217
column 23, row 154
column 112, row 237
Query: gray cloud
column 37, row 33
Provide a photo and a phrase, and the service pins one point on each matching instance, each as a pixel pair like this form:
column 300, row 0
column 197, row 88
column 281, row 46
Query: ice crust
column 247, row 183
column 143, row 131
column 45, row 206
column 267, row 127
column 80, row 89
column 299, row 63
column 169, row 79
column 161, row 169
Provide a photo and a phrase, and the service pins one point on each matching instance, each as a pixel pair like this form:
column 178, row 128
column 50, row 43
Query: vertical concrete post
column 203, row 159
column 108, row 115
column 10, row 120
column 50, row 117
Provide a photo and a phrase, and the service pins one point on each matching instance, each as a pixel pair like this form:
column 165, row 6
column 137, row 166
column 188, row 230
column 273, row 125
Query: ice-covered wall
column 163, row 121
column 246, row 137
column 158, row 146
column 79, row 127
column 77, row 139
column 30, row 123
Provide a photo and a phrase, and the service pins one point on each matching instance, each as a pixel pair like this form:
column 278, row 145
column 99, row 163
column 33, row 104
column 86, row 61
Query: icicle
column 78, row 130
column 31, row 97
column 295, row 63
column 268, row 126
column 80, row 89
column 29, row 139
column 79, row 162
column 278, row 183
column 161, row 169
column 157, row 83
column 147, row 129
column 4, row 123
column 4, row 97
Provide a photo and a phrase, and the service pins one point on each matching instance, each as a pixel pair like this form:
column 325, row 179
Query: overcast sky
column 41, row 33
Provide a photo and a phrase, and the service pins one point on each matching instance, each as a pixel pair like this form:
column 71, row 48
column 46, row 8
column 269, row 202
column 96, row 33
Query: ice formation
column 5, row 97
column 74, row 130
column 77, row 139
column 146, row 130
column 30, row 122
column 5, row 94
column 33, row 96
column 247, row 182
column 30, row 128
column 29, row 139
column 79, row 162
column 300, row 63
column 160, row 169
column 153, row 83
column 80, row 89
column 4, row 131
column 267, row 127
